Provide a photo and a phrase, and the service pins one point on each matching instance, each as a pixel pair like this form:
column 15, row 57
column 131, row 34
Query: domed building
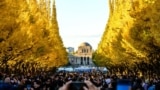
column 83, row 56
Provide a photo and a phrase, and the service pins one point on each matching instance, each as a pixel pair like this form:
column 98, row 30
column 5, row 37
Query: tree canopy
column 131, row 36
column 29, row 36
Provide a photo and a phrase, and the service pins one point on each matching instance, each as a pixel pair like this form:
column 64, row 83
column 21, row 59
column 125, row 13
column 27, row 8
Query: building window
column 88, row 62
column 81, row 58
column 84, row 50
column 87, row 58
column 81, row 62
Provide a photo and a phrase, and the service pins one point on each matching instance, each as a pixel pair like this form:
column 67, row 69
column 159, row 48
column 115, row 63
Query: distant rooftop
column 85, row 44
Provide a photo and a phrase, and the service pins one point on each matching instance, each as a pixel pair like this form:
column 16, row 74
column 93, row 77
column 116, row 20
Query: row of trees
column 29, row 36
column 131, row 40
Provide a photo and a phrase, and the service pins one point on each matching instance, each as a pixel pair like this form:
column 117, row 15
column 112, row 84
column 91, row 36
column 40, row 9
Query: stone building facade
column 83, row 56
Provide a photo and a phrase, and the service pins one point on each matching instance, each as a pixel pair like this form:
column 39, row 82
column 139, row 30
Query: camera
column 77, row 85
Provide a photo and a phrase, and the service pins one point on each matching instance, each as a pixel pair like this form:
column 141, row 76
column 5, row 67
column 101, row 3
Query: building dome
column 85, row 44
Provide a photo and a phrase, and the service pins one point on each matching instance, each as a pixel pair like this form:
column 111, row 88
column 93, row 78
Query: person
column 137, row 85
column 89, row 84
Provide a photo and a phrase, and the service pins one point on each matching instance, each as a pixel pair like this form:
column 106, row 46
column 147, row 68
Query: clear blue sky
column 82, row 21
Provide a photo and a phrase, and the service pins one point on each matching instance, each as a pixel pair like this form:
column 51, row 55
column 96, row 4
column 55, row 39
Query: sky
column 82, row 21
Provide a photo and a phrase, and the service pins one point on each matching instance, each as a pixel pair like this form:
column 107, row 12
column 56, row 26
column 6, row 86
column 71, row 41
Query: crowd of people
column 94, row 80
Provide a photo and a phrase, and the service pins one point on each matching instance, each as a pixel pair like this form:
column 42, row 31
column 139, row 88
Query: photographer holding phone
column 90, row 86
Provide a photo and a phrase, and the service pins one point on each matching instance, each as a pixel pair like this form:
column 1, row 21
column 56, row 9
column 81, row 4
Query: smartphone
column 123, row 84
column 77, row 85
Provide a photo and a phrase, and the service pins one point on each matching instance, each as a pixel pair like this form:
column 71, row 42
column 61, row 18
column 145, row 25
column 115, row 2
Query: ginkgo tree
column 130, row 41
column 29, row 37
